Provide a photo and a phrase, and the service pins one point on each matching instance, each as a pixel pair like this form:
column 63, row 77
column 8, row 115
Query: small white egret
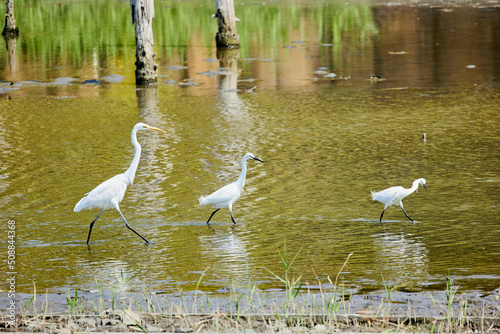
column 227, row 195
column 394, row 196
column 110, row 193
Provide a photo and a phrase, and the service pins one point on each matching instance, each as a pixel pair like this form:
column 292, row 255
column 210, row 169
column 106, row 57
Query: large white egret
column 110, row 193
column 227, row 195
column 394, row 196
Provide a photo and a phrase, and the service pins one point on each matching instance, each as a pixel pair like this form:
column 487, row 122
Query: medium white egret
column 394, row 196
column 110, row 193
column 227, row 195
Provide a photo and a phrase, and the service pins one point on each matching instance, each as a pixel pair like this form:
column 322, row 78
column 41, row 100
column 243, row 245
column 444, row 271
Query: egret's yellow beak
column 156, row 129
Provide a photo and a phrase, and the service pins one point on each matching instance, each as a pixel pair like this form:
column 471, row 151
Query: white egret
column 110, row 193
column 227, row 195
column 394, row 196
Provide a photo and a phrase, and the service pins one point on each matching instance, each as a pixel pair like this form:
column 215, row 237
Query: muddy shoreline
column 263, row 312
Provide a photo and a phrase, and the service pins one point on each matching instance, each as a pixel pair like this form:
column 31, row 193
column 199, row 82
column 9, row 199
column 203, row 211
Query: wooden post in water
column 143, row 13
column 227, row 36
column 10, row 29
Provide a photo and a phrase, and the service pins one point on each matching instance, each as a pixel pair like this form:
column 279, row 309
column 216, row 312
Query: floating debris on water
column 250, row 90
column 176, row 67
column 376, row 78
column 211, row 73
column 322, row 75
column 28, row 83
column 247, row 80
column 396, row 88
column 188, row 83
column 63, row 80
column 92, row 82
column 113, row 78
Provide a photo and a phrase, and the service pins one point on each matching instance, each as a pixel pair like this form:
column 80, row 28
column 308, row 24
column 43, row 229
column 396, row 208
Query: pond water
column 298, row 95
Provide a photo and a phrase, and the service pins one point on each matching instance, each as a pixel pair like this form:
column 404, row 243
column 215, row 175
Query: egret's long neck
column 414, row 187
column 135, row 162
column 241, row 179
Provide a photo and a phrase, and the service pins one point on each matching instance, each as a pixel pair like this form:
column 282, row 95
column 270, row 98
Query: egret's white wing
column 389, row 196
column 105, row 195
column 222, row 197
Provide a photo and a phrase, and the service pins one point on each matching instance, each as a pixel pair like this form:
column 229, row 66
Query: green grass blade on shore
column 195, row 301
column 292, row 285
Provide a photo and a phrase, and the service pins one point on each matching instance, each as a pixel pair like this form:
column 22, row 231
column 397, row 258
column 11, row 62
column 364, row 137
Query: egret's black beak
column 257, row 159
column 424, row 186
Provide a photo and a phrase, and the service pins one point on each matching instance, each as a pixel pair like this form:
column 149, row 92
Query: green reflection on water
column 95, row 35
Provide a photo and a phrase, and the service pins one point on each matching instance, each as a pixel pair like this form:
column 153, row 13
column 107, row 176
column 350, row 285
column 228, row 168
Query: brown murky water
column 325, row 142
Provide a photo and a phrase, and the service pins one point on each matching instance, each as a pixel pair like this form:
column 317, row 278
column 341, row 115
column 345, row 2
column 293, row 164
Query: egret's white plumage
column 110, row 193
column 227, row 195
column 394, row 196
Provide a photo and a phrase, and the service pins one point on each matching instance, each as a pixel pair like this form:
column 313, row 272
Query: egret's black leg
column 130, row 228
column 92, row 225
column 213, row 213
column 407, row 215
column 381, row 217
column 402, row 207
column 232, row 218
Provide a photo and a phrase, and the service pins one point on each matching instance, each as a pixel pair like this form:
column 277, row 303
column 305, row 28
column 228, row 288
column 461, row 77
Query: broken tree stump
column 142, row 16
column 10, row 30
column 227, row 37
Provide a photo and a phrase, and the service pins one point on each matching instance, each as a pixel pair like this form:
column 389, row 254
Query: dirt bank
column 260, row 312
